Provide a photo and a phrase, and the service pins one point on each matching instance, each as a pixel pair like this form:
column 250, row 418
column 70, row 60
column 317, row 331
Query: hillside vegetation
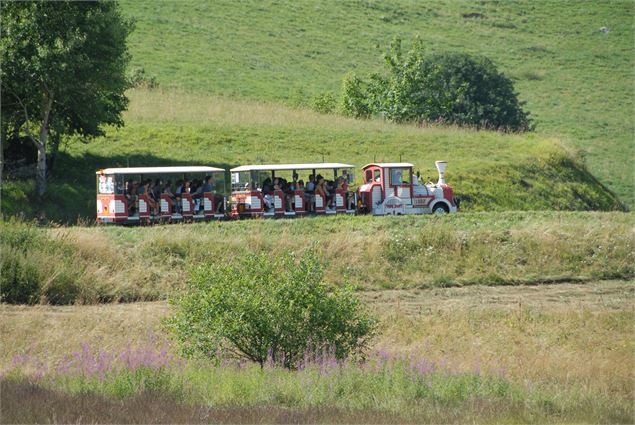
column 490, row 171
column 102, row 264
column 577, row 80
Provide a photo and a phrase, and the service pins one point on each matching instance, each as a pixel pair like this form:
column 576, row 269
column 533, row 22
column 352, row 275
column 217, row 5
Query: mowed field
column 534, row 340
column 577, row 81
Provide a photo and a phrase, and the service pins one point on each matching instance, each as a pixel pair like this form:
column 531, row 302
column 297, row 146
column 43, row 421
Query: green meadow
column 577, row 81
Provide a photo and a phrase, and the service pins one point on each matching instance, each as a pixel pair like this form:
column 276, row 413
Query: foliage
column 269, row 307
column 453, row 88
column 63, row 71
column 139, row 78
column 353, row 98
column 324, row 103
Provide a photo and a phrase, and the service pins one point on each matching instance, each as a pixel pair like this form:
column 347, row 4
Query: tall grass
column 101, row 264
column 412, row 387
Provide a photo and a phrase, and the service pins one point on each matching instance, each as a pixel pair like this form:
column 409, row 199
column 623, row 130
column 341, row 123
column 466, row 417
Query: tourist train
column 192, row 193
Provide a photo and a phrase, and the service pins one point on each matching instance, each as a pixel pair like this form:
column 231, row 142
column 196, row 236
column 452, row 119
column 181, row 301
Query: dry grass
column 97, row 264
column 561, row 336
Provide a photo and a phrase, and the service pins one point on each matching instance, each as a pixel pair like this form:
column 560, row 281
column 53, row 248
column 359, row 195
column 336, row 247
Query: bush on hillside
column 324, row 103
column 454, row 88
column 265, row 308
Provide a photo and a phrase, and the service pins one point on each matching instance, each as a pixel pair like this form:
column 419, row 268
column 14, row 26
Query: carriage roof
column 159, row 170
column 279, row 167
column 388, row 165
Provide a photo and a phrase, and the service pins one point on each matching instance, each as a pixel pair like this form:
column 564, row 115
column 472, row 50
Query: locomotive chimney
column 441, row 168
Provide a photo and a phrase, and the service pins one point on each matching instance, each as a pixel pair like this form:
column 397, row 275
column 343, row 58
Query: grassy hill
column 490, row 171
column 577, row 80
column 271, row 58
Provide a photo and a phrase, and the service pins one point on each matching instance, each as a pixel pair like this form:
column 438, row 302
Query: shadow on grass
column 71, row 191
column 27, row 403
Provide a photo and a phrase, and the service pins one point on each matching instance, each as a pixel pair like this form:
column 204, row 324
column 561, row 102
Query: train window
column 377, row 175
column 399, row 176
column 369, row 176
column 106, row 185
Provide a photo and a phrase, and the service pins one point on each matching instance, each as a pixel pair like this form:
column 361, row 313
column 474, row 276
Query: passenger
column 208, row 186
column 197, row 194
column 131, row 196
column 267, row 187
column 177, row 195
column 158, row 188
column 330, row 192
column 146, row 190
column 290, row 193
column 309, row 192
column 276, row 184
column 320, row 189
column 167, row 190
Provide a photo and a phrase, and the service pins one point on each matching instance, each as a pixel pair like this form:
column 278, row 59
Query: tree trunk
column 41, row 148
column 3, row 137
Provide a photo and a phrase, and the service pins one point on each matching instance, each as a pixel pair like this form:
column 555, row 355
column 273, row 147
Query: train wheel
column 440, row 209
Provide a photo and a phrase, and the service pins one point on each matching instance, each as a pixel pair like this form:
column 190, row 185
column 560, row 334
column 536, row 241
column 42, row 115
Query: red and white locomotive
column 393, row 189
column 387, row 189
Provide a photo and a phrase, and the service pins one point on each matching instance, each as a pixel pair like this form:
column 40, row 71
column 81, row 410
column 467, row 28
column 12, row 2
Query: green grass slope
column 490, row 171
column 577, row 81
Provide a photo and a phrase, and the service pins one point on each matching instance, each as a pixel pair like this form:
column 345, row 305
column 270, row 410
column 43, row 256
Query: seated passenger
column 320, row 189
column 158, row 188
column 207, row 187
column 290, row 192
column 309, row 192
column 131, row 196
column 167, row 190
column 267, row 187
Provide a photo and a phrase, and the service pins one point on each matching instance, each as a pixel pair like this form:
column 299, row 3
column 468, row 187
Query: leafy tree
column 262, row 307
column 455, row 88
column 63, row 71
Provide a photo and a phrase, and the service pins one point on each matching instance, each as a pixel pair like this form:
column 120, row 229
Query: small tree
column 261, row 307
column 63, row 71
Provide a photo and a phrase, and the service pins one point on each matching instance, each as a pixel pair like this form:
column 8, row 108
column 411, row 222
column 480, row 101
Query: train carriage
column 120, row 198
column 255, row 193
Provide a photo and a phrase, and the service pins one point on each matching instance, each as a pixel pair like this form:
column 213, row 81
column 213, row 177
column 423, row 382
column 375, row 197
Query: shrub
column 139, row 78
column 19, row 277
column 454, row 88
column 269, row 308
column 324, row 103
column 354, row 98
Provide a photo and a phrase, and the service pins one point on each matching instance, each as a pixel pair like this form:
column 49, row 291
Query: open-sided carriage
column 138, row 194
column 285, row 190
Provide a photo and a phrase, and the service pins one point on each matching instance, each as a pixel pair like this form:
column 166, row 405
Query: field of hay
column 481, row 354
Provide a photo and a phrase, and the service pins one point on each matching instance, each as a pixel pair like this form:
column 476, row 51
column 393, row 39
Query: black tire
column 440, row 208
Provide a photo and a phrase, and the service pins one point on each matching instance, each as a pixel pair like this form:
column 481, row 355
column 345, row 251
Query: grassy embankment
column 577, row 81
column 490, row 171
column 474, row 354
column 100, row 264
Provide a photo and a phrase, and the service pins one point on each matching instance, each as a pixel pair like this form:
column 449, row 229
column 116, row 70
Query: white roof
column 158, row 170
column 390, row 164
column 275, row 167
